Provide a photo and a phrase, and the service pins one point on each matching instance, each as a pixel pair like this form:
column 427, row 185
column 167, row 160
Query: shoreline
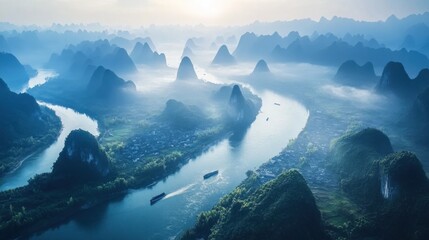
column 39, row 149
column 58, row 221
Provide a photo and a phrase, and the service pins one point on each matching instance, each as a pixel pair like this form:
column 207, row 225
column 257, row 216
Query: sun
column 206, row 8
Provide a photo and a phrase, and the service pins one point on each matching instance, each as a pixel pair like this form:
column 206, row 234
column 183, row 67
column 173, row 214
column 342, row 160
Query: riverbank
column 49, row 207
column 334, row 111
column 187, row 192
column 38, row 206
column 23, row 149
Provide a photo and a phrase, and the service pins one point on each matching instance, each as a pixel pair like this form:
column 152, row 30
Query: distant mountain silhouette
column 223, row 57
column 95, row 53
column 81, row 159
column 182, row 116
column 191, row 44
column 350, row 73
column 360, row 38
column 417, row 38
column 106, row 84
column 143, row 54
column 187, row 52
column 119, row 61
column 4, row 47
column 390, row 32
column 13, row 72
column 78, row 65
column 261, row 67
column 130, row 43
column 396, row 81
column 62, row 61
column 409, row 42
column 325, row 52
column 186, row 70
column 253, row 47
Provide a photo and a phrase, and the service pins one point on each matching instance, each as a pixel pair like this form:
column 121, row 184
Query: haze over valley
column 214, row 120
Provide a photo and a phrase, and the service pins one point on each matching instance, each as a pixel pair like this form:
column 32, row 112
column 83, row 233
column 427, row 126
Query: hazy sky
column 209, row 12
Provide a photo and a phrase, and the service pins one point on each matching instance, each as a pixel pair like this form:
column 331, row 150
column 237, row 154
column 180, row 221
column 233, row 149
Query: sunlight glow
column 206, row 8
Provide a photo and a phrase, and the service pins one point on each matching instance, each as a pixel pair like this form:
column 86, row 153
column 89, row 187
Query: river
column 42, row 162
column 187, row 193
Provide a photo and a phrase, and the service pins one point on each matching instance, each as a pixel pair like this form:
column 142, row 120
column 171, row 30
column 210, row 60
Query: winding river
column 280, row 120
column 187, row 193
column 41, row 162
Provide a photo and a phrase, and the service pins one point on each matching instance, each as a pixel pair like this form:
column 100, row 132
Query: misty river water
column 132, row 217
column 187, row 193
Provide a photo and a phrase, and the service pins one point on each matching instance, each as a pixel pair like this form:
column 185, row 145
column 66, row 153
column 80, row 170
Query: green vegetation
column 405, row 173
column 353, row 155
column 141, row 151
column 283, row 208
column 392, row 189
column 81, row 160
column 143, row 145
column 25, row 127
column 37, row 206
column 182, row 116
column 47, row 201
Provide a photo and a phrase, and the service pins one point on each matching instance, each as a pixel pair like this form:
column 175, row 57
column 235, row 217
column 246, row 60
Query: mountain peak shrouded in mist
column 236, row 99
column 106, row 84
column 96, row 53
column 241, row 110
column 186, row 70
column 12, row 72
column 81, row 159
column 182, row 116
column 223, row 57
column 351, row 73
column 396, row 81
column 143, row 54
column 187, row 52
column 141, row 51
column 190, row 43
column 130, row 43
column 121, row 61
column 261, row 67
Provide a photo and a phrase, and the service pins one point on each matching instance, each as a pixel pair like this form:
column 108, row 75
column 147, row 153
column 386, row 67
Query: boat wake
column 180, row 191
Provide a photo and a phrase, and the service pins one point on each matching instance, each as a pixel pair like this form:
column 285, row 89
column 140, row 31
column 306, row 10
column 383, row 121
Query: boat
column 277, row 104
column 157, row 198
column 211, row 174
